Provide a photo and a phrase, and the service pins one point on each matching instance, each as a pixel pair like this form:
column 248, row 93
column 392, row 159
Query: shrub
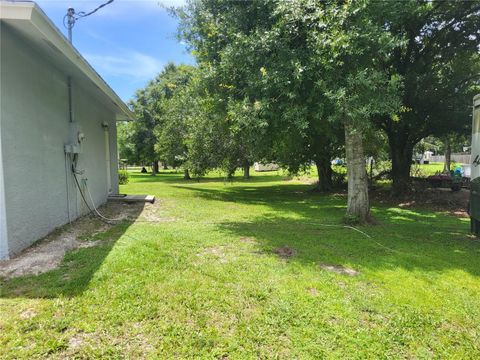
column 123, row 177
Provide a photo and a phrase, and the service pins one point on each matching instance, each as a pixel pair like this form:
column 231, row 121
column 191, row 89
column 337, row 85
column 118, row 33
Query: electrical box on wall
column 75, row 139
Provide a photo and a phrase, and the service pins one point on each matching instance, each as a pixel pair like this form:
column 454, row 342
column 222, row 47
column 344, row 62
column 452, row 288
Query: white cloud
column 129, row 63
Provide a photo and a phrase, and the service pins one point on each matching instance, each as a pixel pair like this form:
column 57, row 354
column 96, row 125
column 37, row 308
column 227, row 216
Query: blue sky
column 128, row 42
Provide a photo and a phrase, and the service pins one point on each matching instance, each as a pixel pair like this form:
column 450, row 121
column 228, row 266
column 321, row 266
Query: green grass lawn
column 430, row 169
column 207, row 282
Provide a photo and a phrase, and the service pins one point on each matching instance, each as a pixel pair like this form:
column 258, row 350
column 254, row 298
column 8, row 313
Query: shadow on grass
column 177, row 178
column 282, row 196
column 75, row 272
column 311, row 224
column 387, row 249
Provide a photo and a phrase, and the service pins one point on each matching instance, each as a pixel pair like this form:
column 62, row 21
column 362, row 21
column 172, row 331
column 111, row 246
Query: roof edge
column 32, row 12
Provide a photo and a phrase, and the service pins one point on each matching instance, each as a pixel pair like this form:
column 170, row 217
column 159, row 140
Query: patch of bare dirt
column 47, row 253
column 436, row 199
column 248, row 240
column 153, row 213
column 88, row 244
column 219, row 253
column 340, row 269
column 119, row 210
column 300, row 179
column 28, row 314
column 213, row 250
column 44, row 256
column 285, row 252
column 313, row 291
column 76, row 341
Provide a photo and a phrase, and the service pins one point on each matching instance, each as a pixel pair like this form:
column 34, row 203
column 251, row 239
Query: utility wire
column 71, row 17
column 83, row 14
column 96, row 210
column 93, row 211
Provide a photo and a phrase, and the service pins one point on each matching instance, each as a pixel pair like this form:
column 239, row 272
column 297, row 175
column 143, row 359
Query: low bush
column 123, row 177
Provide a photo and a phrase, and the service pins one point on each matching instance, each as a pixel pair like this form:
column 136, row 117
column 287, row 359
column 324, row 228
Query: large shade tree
column 169, row 111
column 140, row 133
column 150, row 106
column 259, row 61
column 312, row 68
column 438, row 58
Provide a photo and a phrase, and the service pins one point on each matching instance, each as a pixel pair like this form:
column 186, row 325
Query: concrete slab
column 133, row 198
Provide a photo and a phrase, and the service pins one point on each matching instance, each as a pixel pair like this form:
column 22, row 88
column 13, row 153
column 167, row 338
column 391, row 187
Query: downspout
column 107, row 156
column 68, row 164
column 70, row 108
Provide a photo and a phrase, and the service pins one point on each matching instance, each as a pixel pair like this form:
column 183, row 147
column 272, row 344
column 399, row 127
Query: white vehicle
column 265, row 167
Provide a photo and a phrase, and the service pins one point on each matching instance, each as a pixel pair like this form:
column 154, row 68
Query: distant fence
column 461, row 159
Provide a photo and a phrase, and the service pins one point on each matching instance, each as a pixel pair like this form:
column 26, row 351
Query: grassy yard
column 243, row 269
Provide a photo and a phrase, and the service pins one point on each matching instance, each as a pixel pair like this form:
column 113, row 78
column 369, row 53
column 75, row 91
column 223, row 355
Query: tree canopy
column 438, row 59
column 153, row 137
column 301, row 82
column 309, row 68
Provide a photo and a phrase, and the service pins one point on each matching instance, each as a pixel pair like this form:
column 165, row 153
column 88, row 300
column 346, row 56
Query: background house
column 55, row 111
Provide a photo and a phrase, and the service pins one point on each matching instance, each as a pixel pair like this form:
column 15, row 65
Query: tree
column 192, row 130
column 172, row 132
column 170, row 112
column 150, row 106
column 312, row 68
column 351, row 48
column 257, row 61
column 437, row 56
column 222, row 134
column 125, row 147
column 142, row 135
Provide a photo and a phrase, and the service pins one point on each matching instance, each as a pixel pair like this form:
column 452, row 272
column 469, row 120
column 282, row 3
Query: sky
column 127, row 42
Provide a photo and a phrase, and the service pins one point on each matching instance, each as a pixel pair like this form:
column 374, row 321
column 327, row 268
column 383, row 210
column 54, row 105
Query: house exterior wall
column 40, row 192
column 3, row 214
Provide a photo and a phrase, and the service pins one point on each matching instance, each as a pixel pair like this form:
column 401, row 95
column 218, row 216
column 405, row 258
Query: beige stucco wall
column 35, row 127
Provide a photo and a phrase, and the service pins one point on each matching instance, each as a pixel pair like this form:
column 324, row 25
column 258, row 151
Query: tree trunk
column 186, row 175
column 155, row 168
column 324, row 171
column 358, row 207
column 401, row 153
column 246, row 171
column 448, row 155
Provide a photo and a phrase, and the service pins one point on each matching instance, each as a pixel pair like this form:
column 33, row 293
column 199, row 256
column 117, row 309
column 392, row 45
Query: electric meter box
column 76, row 138
column 474, row 208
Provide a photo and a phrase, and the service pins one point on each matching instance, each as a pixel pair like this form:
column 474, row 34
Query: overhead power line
column 71, row 17
column 83, row 14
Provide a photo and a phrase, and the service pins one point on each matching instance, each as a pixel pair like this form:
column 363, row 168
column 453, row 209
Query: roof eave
column 32, row 12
